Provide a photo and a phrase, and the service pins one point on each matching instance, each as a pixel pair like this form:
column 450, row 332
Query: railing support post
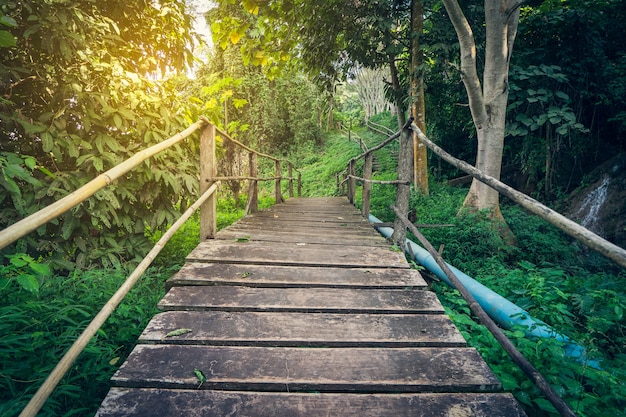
column 208, row 170
column 299, row 184
column 290, row 180
column 277, row 192
column 367, row 186
column 351, row 181
column 252, row 205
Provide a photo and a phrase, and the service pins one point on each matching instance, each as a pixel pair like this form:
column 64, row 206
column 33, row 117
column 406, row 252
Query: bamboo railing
column 209, row 182
column 350, row 178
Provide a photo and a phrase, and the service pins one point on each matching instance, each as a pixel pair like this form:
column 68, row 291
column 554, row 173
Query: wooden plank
column 309, row 228
column 296, row 277
column 299, row 236
column 122, row 402
column 303, row 329
column 264, row 253
column 304, row 216
column 320, row 300
column 304, row 221
column 302, row 369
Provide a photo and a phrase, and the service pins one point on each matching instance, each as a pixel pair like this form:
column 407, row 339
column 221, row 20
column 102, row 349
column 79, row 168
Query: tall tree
column 418, row 110
column 488, row 101
column 371, row 91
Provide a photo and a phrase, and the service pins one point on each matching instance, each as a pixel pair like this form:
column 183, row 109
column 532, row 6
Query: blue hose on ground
column 501, row 310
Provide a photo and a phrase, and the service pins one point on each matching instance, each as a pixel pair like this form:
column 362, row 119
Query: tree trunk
column 420, row 152
column 487, row 103
column 405, row 160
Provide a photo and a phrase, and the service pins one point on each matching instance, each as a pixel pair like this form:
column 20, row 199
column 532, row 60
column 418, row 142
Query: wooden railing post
column 351, row 181
column 252, row 205
column 367, row 186
column 208, row 170
column 277, row 192
column 299, row 184
column 290, row 180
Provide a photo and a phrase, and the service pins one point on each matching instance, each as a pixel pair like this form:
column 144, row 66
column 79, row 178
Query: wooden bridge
column 302, row 310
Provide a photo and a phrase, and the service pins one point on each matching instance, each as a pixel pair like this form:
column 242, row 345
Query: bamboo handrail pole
column 247, row 148
column 367, row 185
column 42, row 394
column 533, row 374
column 387, row 182
column 43, row 216
column 568, row 226
column 379, row 146
column 244, row 178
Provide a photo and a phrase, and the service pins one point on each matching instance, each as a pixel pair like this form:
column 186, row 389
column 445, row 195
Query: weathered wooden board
column 264, row 253
column 323, row 204
column 292, row 276
column 321, row 300
column 295, row 224
column 299, row 236
column 339, row 233
column 300, row 369
column 201, row 403
column 303, row 329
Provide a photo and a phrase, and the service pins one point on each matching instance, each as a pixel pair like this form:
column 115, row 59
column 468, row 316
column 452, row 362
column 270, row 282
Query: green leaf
column 47, row 143
column 562, row 95
column 178, row 332
column 6, row 39
column 8, row 21
column 98, row 164
column 117, row 119
column 29, row 283
column 30, row 162
column 10, row 185
column 200, row 375
column 39, row 268
column 545, row 405
column 68, row 227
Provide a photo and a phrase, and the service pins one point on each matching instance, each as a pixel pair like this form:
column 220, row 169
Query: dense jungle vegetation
column 84, row 84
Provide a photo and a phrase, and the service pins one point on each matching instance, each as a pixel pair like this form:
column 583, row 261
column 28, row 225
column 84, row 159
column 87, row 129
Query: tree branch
column 469, row 73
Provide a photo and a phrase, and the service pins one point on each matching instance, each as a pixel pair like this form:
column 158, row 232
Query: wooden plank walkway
column 302, row 310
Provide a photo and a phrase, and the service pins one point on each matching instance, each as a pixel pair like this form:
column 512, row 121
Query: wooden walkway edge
column 302, row 310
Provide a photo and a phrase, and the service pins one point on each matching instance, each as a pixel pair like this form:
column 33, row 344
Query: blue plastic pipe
column 501, row 310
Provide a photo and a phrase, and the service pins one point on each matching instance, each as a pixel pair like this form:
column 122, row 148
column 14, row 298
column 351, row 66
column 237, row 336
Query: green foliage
column 22, row 273
column 320, row 164
column 80, row 95
column 38, row 327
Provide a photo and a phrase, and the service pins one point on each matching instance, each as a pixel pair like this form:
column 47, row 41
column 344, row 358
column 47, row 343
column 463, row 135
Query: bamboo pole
column 367, row 185
column 531, row 372
column 43, row 216
column 290, row 180
column 568, row 226
column 277, row 192
column 42, row 394
column 252, row 204
column 351, row 181
column 386, row 182
column 208, row 171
